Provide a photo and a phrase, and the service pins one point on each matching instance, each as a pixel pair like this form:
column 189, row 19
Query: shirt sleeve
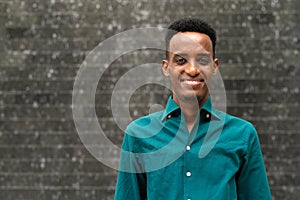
column 130, row 185
column 252, row 181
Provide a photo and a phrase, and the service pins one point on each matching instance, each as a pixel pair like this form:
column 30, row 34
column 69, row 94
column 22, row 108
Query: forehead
column 190, row 42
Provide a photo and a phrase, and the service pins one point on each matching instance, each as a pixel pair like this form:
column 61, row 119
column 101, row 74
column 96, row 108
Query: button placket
column 188, row 166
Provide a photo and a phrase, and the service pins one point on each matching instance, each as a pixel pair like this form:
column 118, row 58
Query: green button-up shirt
column 219, row 159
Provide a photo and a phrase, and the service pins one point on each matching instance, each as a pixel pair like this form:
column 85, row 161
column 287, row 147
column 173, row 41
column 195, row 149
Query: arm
column 252, row 181
column 130, row 185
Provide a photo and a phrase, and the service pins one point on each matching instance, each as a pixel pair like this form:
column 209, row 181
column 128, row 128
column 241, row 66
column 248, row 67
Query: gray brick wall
column 43, row 43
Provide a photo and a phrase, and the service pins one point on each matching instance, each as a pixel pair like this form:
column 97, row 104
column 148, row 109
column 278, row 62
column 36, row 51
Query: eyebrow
column 204, row 55
column 185, row 54
column 180, row 54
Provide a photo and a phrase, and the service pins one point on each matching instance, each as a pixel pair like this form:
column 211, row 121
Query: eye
column 180, row 61
column 203, row 61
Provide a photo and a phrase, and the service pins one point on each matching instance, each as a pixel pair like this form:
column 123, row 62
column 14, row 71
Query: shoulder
column 239, row 123
column 239, row 131
column 139, row 130
column 146, row 120
column 143, row 124
column 235, row 122
column 237, row 127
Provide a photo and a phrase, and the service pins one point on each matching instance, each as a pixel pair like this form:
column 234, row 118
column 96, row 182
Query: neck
column 190, row 110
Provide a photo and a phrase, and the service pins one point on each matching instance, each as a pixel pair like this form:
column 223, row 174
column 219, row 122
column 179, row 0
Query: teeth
column 193, row 82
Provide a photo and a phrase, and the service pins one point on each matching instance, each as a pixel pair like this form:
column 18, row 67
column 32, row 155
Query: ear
column 164, row 67
column 216, row 66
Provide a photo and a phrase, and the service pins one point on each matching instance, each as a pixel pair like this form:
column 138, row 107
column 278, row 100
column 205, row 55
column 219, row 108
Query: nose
column 192, row 69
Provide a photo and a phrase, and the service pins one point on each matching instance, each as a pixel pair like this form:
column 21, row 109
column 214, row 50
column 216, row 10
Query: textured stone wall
column 44, row 42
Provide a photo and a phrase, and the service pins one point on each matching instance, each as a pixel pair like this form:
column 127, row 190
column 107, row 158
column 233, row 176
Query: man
column 232, row 169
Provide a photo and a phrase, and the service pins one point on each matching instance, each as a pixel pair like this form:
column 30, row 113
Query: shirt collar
column 172, row 107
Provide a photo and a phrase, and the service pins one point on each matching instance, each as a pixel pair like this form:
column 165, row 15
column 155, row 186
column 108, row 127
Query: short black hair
column 190, row 24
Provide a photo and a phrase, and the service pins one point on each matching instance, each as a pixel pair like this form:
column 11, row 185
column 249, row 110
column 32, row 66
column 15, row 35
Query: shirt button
column 207, row 115
column 188, row 174
column 169, row 116
column 188, row 148
column 189, row 199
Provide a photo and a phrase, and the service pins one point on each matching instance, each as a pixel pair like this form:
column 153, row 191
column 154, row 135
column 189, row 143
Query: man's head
column 191, row 61
column 191, row 25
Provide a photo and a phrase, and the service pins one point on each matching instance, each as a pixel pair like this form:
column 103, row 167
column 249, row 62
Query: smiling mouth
column 193, row 82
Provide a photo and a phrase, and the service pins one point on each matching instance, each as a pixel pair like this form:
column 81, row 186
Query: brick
column 73, row 165
column 54, row 44
column 285, row 193
column 274, row 140
column 39, row 73
column 282, row 165
column 280, row 152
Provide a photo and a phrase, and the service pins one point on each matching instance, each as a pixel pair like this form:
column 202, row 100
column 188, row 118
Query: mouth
column 192, row 82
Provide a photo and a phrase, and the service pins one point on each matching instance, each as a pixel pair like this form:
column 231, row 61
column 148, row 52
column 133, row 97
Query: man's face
column 190, row 66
